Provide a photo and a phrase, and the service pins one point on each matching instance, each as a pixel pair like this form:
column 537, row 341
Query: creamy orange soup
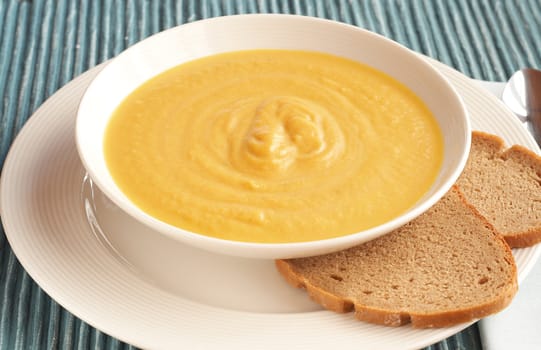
column 273, row 146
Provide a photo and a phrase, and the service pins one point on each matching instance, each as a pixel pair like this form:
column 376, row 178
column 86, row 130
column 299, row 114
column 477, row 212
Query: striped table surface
column 45, row 44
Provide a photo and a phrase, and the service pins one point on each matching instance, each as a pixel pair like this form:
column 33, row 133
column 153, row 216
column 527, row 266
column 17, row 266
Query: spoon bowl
column 522, row 94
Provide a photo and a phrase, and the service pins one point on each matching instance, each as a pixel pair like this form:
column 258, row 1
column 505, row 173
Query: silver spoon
column 522, row 94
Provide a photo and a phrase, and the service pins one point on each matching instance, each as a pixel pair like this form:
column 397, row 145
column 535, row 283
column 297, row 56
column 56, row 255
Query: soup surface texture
column 273, row 146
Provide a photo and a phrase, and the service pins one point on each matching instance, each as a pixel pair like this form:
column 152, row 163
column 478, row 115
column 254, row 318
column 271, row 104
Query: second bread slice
column 505, row 186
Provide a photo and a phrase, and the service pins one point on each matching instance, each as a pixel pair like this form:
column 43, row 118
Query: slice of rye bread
column 446, row 267
column 505, row 187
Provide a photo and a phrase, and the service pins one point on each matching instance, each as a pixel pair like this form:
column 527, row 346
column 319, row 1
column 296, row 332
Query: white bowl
column 207, row 37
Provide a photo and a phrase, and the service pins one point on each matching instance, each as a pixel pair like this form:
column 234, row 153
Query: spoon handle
column 535, row 119
column 533, row 101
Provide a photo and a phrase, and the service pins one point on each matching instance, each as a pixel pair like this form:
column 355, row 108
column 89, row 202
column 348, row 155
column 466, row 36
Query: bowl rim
column 270, row 250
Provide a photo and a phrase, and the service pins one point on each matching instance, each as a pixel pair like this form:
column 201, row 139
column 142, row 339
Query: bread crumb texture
column 446, row 267
column 504, row 185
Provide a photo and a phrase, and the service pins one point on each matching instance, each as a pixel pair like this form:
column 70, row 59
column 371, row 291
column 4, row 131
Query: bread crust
column 386, row 317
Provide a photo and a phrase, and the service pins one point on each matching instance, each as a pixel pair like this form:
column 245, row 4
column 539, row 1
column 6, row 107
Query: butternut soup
column 273, row 146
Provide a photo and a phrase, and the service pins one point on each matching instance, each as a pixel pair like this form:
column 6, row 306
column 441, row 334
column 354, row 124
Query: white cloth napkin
column 519, row 325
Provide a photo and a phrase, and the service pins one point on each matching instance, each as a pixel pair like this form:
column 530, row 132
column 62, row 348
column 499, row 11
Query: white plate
column 146, row 290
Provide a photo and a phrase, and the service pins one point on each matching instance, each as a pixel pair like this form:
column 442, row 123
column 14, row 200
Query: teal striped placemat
column 45, row 44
